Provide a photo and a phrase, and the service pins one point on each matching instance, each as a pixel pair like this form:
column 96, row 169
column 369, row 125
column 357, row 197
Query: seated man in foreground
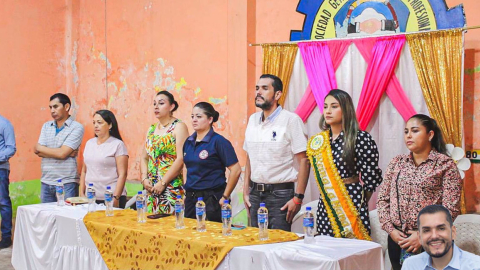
column 437, row 234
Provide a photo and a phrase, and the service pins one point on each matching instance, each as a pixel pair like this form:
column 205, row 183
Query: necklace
column 161, row 126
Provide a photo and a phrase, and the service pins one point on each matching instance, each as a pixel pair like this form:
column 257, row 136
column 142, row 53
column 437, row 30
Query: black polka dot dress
column 366, row 165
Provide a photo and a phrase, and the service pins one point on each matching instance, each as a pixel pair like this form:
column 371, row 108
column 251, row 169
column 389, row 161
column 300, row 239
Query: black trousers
column 121, row 202
column 211, row 198
column 394, row 251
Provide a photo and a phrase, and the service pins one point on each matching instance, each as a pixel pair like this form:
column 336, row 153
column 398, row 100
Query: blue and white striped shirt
column 66, row 169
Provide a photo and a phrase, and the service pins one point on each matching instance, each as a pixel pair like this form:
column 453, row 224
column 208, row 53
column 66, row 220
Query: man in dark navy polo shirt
column 206, row 154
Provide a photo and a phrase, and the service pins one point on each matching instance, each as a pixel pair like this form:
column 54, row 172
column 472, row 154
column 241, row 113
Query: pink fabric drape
column 381, row 68
column 394, row 90
column 337, row 50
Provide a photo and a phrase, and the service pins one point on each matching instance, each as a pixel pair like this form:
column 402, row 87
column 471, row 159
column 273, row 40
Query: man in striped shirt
column 58, row 147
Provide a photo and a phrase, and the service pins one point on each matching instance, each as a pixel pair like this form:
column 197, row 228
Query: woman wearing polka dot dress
column 342, row 155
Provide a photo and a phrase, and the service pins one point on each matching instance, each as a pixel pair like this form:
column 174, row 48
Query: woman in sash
column 423, row 177
column 342, row 155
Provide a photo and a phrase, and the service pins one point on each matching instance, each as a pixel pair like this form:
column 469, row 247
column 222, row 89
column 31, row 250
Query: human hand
column 158, row 188
column 147, row 185
column 412, row 243
column 246, row 202
column 74, row 153
column 116, row 203
column 222, row 201
column 397, row 236
column 293, row 209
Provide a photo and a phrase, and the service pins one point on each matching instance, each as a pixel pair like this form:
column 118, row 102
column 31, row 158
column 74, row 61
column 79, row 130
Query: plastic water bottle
column 200, row 211
column 141, row 207
column 262, row 216
column 308, row 226
column 109, row 202
column 179, row 213
column 226, row 218
column 91, row 198
column 60, row 193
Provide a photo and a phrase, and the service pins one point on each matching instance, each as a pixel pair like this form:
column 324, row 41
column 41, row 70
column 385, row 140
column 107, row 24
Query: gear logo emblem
column 348, row 18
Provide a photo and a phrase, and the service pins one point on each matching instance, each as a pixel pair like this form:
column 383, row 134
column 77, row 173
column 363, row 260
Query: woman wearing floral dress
column 161, row 167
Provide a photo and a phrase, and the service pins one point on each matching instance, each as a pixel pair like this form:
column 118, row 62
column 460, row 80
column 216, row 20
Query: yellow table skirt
column 126, row 244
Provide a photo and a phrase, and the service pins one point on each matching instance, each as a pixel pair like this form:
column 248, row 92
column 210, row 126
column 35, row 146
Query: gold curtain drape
column 278, row 60
column 438, row 61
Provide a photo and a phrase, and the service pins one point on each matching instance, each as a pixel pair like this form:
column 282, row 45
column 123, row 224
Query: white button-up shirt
column 272, row 144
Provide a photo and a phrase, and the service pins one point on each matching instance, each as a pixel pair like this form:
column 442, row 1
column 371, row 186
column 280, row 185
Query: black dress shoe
column 5, row 243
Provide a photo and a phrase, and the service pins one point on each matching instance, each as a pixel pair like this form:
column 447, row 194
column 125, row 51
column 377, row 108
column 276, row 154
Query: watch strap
column 299, row 196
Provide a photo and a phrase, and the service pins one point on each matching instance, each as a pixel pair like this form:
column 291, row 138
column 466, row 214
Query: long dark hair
column 209, row 111
column 349, row 124
column 430, row 124
column 109, row 117
column 170, row 97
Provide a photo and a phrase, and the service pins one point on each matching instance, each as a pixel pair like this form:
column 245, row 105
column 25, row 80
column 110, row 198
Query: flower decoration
column 458, row 155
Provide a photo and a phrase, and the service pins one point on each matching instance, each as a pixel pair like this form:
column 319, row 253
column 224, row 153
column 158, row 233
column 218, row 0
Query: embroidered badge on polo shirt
column 203, row 154
column 274, row 135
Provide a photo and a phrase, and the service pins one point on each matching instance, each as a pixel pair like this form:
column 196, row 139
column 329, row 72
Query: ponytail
column 431, row 125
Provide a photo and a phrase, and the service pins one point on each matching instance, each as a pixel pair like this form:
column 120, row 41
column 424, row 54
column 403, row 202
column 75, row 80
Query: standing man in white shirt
column 273, row 140
column 437, row 234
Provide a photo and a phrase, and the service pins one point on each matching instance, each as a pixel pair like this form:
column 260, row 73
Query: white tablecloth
column 51, row 237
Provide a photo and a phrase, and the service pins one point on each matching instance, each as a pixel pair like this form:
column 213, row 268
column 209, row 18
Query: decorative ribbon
column 341, row 211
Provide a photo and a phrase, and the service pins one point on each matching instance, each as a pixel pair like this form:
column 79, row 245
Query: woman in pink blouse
column 424, row 177
column 105, row 160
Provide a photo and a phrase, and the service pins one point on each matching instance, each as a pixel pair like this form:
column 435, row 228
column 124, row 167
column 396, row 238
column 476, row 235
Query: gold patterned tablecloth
column 126, row 244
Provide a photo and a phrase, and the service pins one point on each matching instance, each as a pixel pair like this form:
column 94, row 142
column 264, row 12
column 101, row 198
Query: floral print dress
column 161, row 151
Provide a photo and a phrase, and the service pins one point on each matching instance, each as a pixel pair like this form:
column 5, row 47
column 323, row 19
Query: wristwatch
column 299, row 196
column 116, row 197
column 225, row 197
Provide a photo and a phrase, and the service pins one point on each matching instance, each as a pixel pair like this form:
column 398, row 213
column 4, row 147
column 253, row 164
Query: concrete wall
column 118, row 54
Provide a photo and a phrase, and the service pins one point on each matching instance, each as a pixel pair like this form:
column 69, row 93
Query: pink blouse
column 101, row 164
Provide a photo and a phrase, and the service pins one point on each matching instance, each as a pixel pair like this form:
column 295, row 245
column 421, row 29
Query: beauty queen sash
column 341, row 211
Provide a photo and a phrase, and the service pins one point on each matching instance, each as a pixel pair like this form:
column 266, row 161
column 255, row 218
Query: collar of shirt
column 454, row 262
column 206, row 139
column 338, row 137
column 272, row 117
column 433, row 155
column 67, row 123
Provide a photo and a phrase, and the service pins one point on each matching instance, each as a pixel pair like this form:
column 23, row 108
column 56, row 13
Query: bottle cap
column 226, row 201
column 179, row 196
column 309, row 208
column 59, row 180
column 90, row 184
column 108, row 187
column 262, row 204
column 200, row 199
column 140, row 192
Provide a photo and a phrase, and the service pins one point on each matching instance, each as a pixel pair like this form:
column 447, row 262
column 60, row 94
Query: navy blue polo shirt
column 206, row 160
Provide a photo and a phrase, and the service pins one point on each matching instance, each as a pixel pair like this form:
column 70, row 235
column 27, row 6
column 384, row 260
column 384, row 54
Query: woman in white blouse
column 105, row 160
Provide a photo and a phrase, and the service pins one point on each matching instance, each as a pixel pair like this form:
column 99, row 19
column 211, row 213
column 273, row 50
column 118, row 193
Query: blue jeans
column 49, row 194
column 274, row 200
column 5, row 204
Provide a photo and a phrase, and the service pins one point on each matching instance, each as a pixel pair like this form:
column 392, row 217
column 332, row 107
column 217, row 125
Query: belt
column 205, row 192
column 271, row 187
column 351, row 180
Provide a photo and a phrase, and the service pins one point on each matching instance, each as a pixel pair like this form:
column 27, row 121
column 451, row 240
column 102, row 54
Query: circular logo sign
column 316, row 142
column 203, row 154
